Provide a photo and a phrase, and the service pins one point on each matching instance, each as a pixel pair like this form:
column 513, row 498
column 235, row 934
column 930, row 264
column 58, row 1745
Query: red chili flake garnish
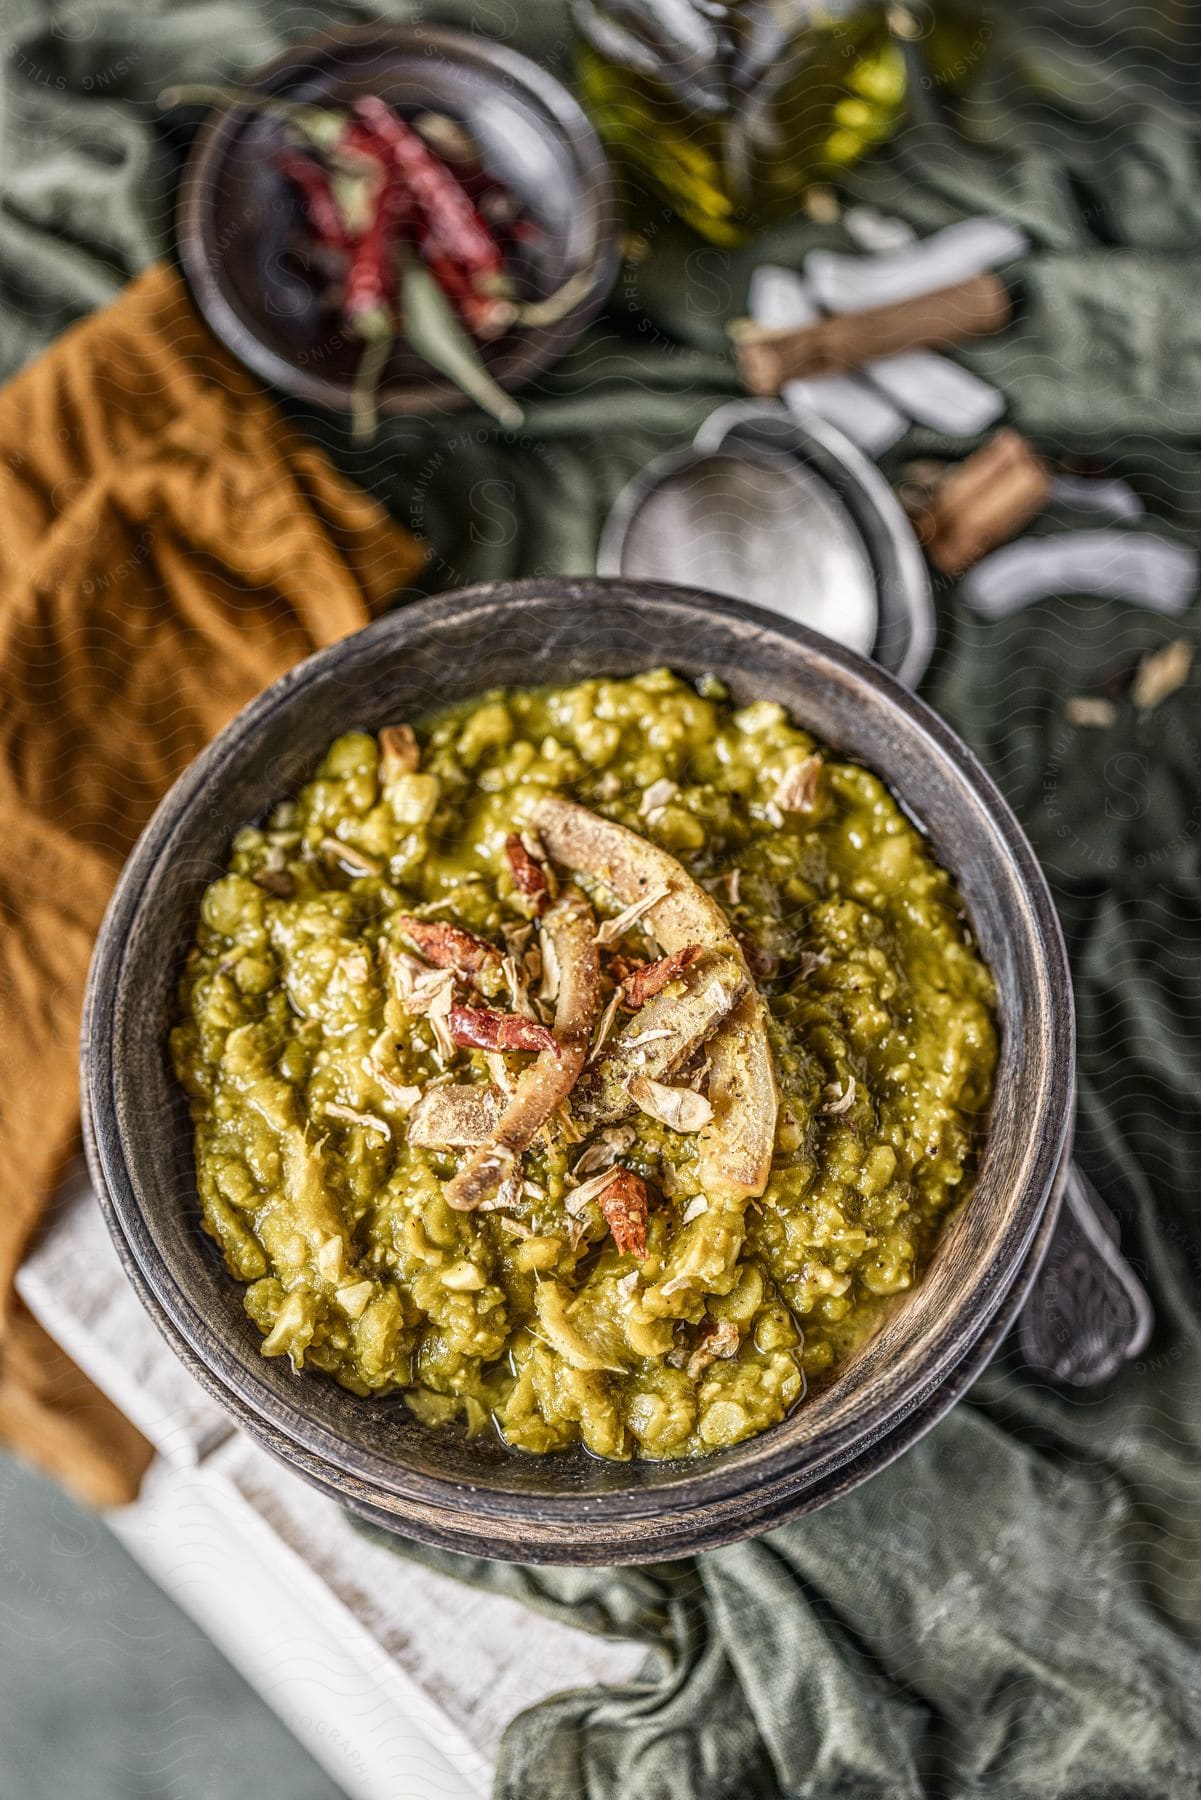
column 479, row 1028
column 624, row 1205
column 651, row 978
column 448, row 946
column 529, row 877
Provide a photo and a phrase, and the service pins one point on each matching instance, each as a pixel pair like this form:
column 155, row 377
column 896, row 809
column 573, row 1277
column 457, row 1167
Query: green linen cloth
column 1014, row 1608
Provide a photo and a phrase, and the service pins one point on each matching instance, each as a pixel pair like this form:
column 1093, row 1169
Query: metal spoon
column 757, row 525
column 786, row 513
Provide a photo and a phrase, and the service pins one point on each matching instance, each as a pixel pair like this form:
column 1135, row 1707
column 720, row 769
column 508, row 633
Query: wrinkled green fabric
column 1013, row 1609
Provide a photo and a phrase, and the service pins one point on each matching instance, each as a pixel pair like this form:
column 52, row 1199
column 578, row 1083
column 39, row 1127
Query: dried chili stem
column 556, row 306
column 435, row 332
column 321, row 124
column 364, row 405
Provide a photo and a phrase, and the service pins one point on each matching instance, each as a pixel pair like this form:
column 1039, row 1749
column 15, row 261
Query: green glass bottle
column 732, row 111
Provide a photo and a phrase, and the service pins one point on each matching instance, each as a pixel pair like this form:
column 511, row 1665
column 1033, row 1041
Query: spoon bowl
column 788, row 515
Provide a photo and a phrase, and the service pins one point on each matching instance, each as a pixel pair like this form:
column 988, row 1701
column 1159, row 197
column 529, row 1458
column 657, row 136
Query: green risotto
column 588, row 1064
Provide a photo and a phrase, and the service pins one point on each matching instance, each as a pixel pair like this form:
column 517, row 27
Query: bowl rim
column 535, row 348
column 715, row 1484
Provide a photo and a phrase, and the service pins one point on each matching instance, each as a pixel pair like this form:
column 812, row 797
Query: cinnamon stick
column 982, row 503
column 766, row 358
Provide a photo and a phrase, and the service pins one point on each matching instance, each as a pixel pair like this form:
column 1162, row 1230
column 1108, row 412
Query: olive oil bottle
column 731, row 111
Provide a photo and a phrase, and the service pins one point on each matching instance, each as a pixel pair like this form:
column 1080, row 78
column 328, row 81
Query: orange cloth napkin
column 168, row 546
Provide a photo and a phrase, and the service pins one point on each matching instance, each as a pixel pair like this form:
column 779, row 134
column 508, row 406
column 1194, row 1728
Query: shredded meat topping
column 398, row 753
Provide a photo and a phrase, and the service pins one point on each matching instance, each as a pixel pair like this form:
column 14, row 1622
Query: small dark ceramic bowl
column 372, row 1454
column 240, row 226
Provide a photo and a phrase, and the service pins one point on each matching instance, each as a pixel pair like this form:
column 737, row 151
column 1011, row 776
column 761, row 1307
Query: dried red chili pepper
column 358, row 144
column 624, row 1204
column 370, row 285
column 651, row 978
column 529, row 877
column 456, row 241
column 320, row 208
column 448, row 946
column 479, row 1028
column 369, row 301
column 452, row 221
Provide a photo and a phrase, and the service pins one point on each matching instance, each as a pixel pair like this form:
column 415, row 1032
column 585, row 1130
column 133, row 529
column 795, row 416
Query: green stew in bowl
column 591, row 1063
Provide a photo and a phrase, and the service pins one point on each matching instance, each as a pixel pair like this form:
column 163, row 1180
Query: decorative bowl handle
column 1088, row 1313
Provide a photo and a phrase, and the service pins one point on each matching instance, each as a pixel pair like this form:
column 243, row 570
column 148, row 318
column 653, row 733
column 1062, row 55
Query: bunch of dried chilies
column 418, row 238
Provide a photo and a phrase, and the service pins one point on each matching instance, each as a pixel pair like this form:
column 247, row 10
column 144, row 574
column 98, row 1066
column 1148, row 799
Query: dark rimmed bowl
column 370, row 1453
column 239, row 219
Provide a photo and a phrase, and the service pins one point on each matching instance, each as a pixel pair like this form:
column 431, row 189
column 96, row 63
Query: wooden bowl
column 240, row 226
column 371, row 1454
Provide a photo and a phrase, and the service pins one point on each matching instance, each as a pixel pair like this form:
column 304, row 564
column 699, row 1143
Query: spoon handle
column 1088, row 1312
